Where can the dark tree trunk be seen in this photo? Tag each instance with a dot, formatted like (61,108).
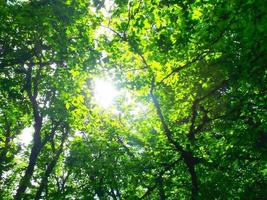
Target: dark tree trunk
(161,188)
(99,190)
(187,156)
(190,163)
(194,189)
(31,87)
(49,169)
(44,180)
(37,146)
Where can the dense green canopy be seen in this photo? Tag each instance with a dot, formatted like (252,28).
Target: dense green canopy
(189,119)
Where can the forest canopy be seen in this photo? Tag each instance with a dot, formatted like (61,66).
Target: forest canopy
(133,99)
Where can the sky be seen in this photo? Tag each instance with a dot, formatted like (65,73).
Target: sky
(104,95)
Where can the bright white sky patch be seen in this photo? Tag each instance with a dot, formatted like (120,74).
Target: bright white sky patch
(104,93)
(26,135)
(139,109)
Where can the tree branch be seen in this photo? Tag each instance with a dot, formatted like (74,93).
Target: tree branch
(164,125)
(166,168)
(178,69)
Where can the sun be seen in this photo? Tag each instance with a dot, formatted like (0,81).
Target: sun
(104,92)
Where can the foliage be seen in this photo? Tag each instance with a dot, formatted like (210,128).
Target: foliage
(190,121)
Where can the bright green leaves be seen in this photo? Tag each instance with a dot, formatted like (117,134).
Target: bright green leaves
(197,13)
(205,62)
(191,50)
(47,53)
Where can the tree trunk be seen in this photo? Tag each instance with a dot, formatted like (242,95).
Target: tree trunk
(37,146)
(194,187)
(161,188)
(49,169)
(44,180)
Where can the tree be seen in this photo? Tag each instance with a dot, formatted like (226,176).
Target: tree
(194,59)
(37,47)
(190,119)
